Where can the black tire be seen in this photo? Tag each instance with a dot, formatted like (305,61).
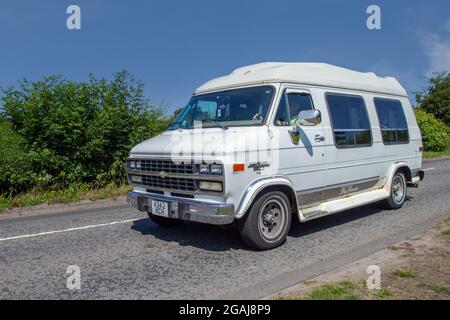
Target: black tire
(270,212)
(164,222)
(395,200)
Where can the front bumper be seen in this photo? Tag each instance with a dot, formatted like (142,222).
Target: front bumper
(185,209)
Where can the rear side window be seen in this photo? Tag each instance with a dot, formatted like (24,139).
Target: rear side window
(351,126)
(290,106)
(392,121)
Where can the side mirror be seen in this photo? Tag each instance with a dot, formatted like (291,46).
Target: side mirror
(309,117)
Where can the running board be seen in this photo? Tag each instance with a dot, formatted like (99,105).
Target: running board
(311,215)
(341,204)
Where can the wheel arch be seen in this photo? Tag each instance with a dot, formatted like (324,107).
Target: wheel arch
(263,185)
(402,166)
(405,169)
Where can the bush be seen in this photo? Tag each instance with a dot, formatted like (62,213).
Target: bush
(77,132)
(15,164)
(435,98)
(435,133)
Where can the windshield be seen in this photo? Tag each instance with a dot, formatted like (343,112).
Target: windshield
(239,107)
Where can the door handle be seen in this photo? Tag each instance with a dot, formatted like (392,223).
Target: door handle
(319,138)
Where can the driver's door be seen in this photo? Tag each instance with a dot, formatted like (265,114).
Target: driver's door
(301,154)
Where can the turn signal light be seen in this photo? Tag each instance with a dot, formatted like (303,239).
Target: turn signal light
(238,167)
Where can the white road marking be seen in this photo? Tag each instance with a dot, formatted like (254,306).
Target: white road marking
(429,169)
(68,230)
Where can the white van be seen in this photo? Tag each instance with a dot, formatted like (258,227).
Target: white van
(273,142)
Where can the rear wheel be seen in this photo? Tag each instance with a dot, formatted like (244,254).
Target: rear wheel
(398,192)
(267,223)
(162,221)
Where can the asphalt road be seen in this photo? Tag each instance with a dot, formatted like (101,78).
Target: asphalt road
(122,255)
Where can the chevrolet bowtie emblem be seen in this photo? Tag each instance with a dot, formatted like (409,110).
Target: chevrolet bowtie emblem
(163,174)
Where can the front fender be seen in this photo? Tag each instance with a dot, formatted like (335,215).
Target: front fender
(254,188)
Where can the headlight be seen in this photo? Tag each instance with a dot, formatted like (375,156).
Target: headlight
(132,164)
(138,165)
(136,179)
(204,168)
(216,169)
(210,186)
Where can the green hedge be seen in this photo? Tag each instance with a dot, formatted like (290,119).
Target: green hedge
(15,164)
(435,133)
(60,133)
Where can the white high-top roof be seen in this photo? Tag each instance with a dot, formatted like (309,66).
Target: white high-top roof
(318,74)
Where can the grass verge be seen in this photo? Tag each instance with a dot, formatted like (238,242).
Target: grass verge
(403,273)
(343,290)
(340,291)
(436,154)
(384,292)
(411,270)
(72,194)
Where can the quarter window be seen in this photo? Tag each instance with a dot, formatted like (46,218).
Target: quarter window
(351,126)
(290,106)
(392,121)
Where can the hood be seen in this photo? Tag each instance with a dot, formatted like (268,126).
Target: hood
(210,143)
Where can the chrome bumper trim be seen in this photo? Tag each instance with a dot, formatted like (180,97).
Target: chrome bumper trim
(185,209)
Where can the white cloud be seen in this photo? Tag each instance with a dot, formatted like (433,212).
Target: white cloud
(437,49)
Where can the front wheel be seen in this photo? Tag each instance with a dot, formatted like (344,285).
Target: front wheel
(267,223)
(398,192)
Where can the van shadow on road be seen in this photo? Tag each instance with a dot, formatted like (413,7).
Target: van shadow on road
(333,220)
(223,238)
(336,219)
(191,234)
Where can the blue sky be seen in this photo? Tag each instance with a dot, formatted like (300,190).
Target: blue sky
(174,46)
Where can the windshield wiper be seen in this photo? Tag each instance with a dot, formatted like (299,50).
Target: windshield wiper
(224,127)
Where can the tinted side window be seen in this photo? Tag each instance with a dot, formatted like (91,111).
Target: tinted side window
(392,121)
(351,124)
(290,106)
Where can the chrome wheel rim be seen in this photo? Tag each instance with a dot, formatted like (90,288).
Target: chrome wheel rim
(398,189)
(272,218)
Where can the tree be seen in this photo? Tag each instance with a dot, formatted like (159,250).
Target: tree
(435,98)
(81,132)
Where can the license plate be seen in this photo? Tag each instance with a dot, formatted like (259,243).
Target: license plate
(160,208)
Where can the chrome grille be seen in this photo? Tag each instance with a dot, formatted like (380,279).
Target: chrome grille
(165,174)
(155,166)
(169,183)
